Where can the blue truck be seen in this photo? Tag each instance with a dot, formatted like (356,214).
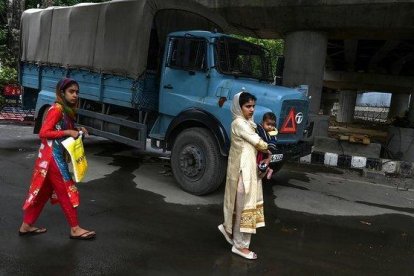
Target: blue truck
(180,100)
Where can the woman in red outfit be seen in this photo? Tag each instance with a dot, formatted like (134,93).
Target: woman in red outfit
(51,177)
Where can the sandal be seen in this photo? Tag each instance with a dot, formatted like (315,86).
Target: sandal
(250,256)
(34,232)
(225,234)
(88,235)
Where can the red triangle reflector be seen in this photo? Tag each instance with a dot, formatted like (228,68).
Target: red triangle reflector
(289,125)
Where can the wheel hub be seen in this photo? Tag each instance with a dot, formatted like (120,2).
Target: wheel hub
(191,161)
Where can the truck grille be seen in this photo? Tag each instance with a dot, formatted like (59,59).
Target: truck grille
(298,106)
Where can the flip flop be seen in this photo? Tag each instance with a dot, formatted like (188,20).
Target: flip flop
(250,256)
(85,236)
(34,232)
(225,234)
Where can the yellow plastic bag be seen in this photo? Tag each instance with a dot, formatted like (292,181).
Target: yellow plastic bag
(77,156)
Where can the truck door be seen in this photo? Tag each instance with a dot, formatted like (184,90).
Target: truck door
(184,83)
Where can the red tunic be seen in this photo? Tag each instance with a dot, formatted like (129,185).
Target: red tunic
(51,134)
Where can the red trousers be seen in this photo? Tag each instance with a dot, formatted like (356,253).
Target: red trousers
(53,182)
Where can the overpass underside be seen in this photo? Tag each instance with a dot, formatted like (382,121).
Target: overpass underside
(335,45)
(339,47)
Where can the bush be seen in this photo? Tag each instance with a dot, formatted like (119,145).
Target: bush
(8,75)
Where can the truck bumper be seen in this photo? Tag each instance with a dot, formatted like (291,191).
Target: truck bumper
(294,151)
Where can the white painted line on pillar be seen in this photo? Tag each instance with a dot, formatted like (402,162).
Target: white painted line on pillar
(306,159)
(331,159)
(358,162)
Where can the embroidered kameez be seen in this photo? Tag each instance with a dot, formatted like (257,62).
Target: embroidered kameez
(242,168)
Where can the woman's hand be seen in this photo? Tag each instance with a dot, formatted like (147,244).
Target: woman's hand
(267,160)
(84,130)
(72,133)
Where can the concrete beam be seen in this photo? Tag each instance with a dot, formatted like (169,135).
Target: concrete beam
(368,81)
(340,19)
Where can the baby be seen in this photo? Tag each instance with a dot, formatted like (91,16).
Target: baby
(267,131)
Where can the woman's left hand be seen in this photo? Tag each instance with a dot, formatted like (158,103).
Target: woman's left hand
(84,130)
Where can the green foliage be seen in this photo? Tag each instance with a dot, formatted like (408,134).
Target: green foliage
(3,36)
(31,4)
(7,75)
(74,2)
(274,46)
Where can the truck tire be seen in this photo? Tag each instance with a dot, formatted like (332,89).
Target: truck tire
(196,162)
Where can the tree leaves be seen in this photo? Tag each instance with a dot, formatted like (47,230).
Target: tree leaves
(275,47)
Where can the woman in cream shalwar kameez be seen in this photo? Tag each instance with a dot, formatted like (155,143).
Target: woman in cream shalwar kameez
(243,198)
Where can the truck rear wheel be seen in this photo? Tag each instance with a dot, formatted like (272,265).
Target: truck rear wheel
(196,161)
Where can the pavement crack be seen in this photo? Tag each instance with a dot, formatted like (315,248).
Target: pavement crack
(335,196)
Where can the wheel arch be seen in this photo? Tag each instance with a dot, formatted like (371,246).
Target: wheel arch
(195,117)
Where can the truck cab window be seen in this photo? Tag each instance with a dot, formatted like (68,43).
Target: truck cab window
(239,58)
(187,54)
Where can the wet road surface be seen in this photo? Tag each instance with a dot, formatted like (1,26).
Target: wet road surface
(319,221)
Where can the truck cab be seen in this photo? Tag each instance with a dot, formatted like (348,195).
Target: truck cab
(201,72)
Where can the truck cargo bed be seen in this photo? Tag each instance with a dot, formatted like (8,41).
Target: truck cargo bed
(123,91)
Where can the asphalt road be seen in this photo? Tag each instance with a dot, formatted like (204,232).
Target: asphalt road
(319,221)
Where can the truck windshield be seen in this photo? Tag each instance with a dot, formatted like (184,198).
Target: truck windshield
(240,58)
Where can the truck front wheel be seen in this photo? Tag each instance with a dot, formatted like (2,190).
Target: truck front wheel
(196,161)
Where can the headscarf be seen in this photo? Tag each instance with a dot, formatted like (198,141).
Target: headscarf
(236,111)
(61,86)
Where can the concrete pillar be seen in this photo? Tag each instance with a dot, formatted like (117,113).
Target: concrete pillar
(399,104)
(305,54)
(347,100)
